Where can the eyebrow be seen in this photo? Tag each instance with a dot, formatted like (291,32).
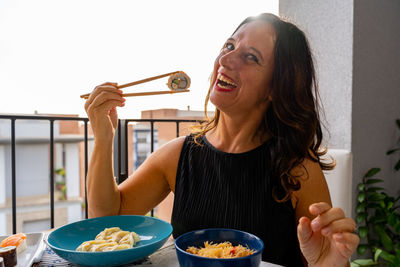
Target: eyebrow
(252,48)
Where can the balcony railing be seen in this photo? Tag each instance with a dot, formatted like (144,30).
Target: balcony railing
(121,153)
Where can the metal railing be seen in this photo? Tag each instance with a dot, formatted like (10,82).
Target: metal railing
(121,153)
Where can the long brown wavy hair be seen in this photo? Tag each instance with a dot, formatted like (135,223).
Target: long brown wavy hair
(292,119)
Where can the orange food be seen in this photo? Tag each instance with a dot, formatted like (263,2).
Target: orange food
(220,250)
(14,240)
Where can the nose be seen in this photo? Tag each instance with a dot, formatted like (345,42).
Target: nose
(229,59)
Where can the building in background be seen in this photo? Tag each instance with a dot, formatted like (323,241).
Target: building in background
(32,168)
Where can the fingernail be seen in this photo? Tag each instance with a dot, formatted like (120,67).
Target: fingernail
(339,237)
(325,231)
(315,224)
(315,209)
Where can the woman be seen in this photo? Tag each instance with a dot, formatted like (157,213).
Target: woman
(255,166)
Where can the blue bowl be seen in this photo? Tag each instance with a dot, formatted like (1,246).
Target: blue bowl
(153,233)
(218,235)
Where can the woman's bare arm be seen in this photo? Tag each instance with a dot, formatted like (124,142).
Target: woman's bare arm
(148,185)
(325,234)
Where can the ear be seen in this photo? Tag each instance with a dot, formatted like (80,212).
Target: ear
(268,97)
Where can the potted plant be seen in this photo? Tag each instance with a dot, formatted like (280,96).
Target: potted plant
(378,219)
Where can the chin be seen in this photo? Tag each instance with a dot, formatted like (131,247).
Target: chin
(219,101)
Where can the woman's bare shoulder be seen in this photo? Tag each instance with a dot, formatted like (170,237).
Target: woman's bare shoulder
(167,156)
(171,147)
(313,187)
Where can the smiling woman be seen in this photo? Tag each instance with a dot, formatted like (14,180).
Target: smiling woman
(255,166)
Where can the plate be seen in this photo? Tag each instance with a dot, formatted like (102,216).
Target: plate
(34,249)
(153,233)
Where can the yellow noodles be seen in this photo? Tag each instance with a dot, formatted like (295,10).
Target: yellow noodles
(110,239)
(220,250)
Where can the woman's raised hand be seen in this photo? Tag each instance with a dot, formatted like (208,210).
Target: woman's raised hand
(329,239)
(101,110)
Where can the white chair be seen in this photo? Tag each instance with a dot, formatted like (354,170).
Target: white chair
(340,180)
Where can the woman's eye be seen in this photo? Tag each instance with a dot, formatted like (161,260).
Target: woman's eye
(252,57)
(229,46)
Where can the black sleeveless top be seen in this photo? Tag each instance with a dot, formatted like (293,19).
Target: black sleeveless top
(215,189)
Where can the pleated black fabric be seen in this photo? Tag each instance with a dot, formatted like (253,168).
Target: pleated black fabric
(215,189)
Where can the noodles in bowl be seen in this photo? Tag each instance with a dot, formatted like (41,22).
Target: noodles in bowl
(219,247)
(223,250)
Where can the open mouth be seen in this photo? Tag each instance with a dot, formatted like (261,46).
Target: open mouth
(225,83)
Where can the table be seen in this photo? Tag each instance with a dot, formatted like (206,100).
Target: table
(164,257)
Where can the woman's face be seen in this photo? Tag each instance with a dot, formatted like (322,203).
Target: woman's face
(243,69)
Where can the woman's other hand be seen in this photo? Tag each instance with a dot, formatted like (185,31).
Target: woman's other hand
(101,110)
(329,239)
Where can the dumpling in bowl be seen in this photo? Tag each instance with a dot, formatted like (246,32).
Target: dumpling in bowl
(110,239)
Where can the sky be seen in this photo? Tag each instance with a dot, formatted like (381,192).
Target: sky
(52,51)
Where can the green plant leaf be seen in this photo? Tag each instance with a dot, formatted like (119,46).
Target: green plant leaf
(362,262)
(392,219)
(371,172)
(362,248)
(390,205)
(374,181)
(361,187)
(397,228)
(391,151)
(363,231)
(374,189)
(376,197)
(361,207)
(387,256)
(378,220)
(361,217)
(397,250)
(377,253)
(385,239)
(373,205)
(397,166)
(361,197)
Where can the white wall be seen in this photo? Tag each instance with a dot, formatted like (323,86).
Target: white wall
(32,169)
(329,27)
(72,170)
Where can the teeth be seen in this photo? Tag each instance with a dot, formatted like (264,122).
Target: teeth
(224,79)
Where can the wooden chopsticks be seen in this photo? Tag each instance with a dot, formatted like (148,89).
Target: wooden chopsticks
(156,93)
(86,96)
